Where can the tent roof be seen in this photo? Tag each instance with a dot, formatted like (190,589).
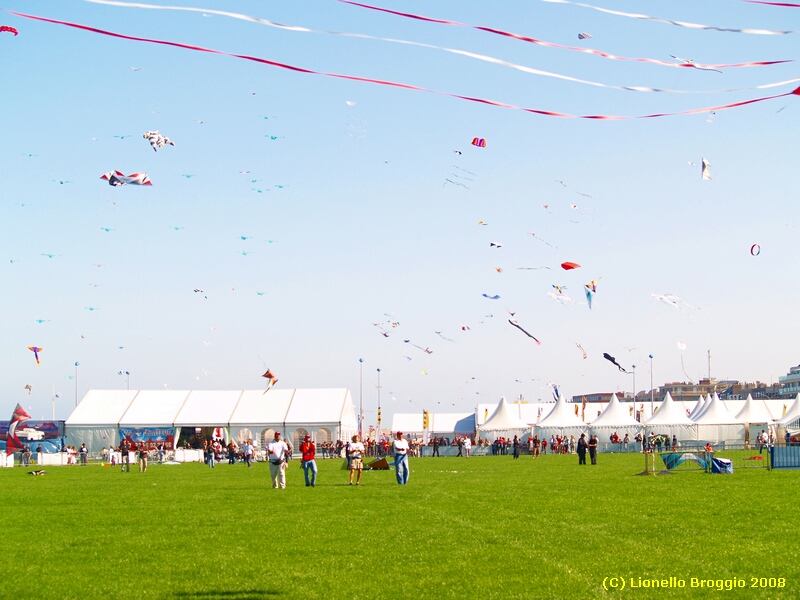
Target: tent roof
(754,412)
(407,422)
(503,419)
(207,407)
(562,415)
(257,407)
(669,413)
(452,423)
(101,407)
(716,414)
(153,408)
(615,415)
(698,408)
(793,413)
(325,405)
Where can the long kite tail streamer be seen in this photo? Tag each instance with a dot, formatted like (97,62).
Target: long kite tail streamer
(517,325)
(466,54)
(18,417)
(783,4)
(394,84)
(668,22)
(530,40)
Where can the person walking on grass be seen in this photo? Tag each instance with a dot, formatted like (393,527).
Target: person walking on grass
(125,450)
(142,459)
(309,451)
(276,452)
(400,449)
(355,450)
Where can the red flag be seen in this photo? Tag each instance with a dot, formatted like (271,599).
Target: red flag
(13,443)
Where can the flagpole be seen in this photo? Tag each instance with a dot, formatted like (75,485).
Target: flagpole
(77,364)
(361,398)
(378,433)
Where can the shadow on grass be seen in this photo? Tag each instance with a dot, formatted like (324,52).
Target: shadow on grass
(229,594)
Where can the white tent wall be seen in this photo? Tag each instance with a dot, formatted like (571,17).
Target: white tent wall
(95,420)
(96,437)
(452,424)
(407,423)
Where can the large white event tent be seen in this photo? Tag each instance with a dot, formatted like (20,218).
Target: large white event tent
(561,420)
(670,419)
(323,413)
(716,424)
(503,423)
(698,408)
(615,418)
(441,424)
(791,420)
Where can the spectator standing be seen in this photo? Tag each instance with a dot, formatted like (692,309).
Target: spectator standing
(593,449)
(400,449)
(84,452)
(355,450)
(309,451)
(467,446)
(277,450)
(142,459)
(125,449)
(582,445)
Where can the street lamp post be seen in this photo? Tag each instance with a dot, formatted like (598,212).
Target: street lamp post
(633,370)
(651,384)
(361,398)
(378,431)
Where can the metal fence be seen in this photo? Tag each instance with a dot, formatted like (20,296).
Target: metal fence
(742,456)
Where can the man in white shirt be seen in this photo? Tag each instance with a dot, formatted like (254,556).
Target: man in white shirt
(355,450)
(400,449)
(276,453)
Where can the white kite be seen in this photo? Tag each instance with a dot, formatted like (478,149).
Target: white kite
(157,140)
(706,171)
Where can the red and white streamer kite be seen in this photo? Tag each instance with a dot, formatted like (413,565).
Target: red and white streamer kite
(394,84)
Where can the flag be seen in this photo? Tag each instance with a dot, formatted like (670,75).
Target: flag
(583,408)
(13,443)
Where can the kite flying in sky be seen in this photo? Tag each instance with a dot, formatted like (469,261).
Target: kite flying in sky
(271,379)
(479,142)
(157,140)
(705,171)
(9,29)
(568,266)
(517,325)
(613,360)
(35,350)
(495,297)
(117,179)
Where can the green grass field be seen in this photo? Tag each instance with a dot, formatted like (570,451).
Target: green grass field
(484,527)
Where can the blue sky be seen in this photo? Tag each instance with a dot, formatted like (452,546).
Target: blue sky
(351,219)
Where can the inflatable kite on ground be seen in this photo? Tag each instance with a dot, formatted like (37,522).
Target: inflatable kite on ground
(37,472)
(13,443)
(613,360)
(117,179)
(9,29)
(157,140)
(568,266)
(35,350)
(479,142)
(705,171)
(515,324)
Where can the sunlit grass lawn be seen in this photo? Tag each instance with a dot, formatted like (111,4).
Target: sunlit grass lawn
(484,527)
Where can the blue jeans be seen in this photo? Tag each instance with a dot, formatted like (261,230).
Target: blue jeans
(210,460)
(401,468)
(310,465)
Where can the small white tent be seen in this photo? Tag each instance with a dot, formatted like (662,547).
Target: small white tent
(615,418)
(756,417)
(561,420)
(503,423)
(670,419)
(716,424)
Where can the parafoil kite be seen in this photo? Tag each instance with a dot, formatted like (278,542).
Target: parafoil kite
(35,350)
(755,250)
(568,266)
(116,179)
(157,140)
(9,29)
(479,142)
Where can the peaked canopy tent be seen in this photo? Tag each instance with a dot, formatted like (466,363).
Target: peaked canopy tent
(670,419)
(503,423)
(791,420)
(561,420)
(755,415)
(716,424)
(95,421)
(615,418)
(698,408)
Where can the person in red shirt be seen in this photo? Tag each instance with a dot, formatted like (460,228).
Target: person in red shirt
(309,451)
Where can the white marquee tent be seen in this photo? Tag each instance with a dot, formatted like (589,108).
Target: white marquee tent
(503,423)
(615,418)
(716,424)
(670,419)
(561,420)
(323,413)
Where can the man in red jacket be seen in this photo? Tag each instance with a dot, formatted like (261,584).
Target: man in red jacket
(309,452)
